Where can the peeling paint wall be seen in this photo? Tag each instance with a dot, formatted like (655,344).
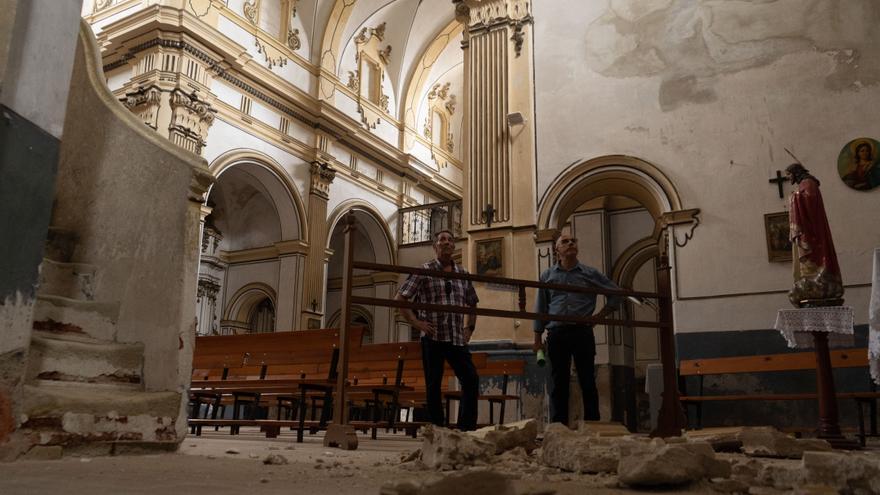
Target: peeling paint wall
(711,92)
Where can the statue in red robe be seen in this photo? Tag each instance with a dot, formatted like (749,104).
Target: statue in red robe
(817,278)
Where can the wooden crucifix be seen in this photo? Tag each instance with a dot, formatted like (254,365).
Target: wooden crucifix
(779,180)
(489,213)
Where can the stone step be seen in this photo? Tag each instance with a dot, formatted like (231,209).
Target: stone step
(72,414)
(70,280)
(82,361)
(60,244)
(63,315)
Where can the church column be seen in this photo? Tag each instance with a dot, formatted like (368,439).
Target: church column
(292,262)
(315,263)
(499,151)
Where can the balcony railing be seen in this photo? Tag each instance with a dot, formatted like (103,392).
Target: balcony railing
(418,224)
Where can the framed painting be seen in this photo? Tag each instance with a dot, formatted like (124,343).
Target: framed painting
(776,228)
(490,257)
(858,164)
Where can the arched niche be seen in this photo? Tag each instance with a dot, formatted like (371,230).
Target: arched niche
(265,175)
(605,176)
(243,304)
(372,242)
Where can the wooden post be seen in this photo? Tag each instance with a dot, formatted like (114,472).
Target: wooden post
(339,433)
(829,428)
(670,420)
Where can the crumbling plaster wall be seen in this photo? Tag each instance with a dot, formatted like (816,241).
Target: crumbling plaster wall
(711,92)
(34,82)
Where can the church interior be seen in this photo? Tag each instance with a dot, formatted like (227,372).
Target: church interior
(193,187)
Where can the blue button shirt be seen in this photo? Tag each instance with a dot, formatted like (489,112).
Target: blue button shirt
(559,302)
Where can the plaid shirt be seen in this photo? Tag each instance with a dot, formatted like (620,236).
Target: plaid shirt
(434,290)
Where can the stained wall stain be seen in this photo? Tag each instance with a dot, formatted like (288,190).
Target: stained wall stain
(691,44)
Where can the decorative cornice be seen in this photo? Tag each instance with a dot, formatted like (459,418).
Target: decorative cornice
(217,68)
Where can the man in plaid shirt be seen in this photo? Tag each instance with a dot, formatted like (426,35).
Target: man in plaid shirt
(444,337)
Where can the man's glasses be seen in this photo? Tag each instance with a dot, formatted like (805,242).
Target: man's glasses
(570,240)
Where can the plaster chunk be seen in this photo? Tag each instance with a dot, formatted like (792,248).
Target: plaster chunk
(580,451)
(446,449)
(849,473)
(769,442)
(661,464)
(505,437)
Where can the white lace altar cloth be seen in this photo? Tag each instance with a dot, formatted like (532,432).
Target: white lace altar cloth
(874,321)
(796,325)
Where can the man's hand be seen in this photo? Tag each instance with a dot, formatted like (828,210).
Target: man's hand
(425,327)
(468,333)
(604,312)
(538,345)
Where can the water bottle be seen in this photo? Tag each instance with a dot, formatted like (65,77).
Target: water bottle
(541,358)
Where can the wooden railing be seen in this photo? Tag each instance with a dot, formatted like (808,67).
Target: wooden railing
(671,419)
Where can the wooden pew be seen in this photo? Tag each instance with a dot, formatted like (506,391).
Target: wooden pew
(796,361)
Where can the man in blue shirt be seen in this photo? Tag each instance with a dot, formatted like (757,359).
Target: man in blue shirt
(567,341)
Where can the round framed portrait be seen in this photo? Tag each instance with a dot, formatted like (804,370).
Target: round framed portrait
(859,164)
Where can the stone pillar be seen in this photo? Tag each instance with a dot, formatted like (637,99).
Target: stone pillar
(315,264)
(499,150)
(211,274)
(292,257)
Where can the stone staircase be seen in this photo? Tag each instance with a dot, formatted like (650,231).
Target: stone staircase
(84,391)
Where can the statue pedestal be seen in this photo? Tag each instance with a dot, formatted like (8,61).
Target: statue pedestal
(812,325)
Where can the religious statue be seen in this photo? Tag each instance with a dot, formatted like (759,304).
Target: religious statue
(817,280)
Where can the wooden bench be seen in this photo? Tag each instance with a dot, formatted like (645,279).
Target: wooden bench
(503,368)
(293,367)
(796,361)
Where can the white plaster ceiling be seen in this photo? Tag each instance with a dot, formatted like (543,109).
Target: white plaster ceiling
(410,26)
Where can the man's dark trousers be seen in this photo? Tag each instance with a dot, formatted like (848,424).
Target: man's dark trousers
(459,358)
(563,345)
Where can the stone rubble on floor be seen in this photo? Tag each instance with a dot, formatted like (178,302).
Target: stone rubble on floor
(608,457)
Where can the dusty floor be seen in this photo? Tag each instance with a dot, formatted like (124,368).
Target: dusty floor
(219,464)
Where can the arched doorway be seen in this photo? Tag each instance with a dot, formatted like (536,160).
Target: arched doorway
(372,243)
(252,236)
(618,207)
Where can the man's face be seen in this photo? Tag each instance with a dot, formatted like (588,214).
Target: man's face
(566,245)
(789,176)
(444,245)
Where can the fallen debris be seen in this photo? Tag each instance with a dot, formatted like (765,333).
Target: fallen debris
(766,441)
(275,459)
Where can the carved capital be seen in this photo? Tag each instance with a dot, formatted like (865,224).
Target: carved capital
(191,117)
(145,102)
(322,176)
(480,14)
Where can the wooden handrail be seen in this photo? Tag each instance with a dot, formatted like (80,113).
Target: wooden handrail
(363,265)
(501,313)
